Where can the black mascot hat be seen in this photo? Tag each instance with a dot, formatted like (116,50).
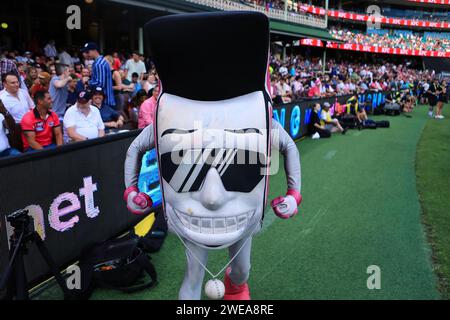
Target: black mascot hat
(210,56)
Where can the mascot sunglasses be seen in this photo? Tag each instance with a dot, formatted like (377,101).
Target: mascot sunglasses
(185,170)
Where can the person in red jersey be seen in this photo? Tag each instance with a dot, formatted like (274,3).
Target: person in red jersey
(41,128)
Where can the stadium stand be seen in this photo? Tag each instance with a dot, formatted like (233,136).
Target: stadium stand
(296,72)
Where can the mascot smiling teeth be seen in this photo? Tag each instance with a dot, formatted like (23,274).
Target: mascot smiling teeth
(213,132)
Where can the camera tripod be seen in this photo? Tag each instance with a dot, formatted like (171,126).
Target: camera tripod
(14,278)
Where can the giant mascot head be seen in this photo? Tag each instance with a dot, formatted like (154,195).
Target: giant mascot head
(212,124)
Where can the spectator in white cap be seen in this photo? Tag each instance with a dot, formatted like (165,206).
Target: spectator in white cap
(328,122)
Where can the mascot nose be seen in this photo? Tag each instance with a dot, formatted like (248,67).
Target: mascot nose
(213,193)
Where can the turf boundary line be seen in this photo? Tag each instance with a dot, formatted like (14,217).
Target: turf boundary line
(427,204)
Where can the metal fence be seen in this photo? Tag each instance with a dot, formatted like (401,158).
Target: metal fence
(228,5)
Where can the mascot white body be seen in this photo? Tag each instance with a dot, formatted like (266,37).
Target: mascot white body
(213,144)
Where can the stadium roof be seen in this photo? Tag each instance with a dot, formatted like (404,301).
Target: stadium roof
(300,31)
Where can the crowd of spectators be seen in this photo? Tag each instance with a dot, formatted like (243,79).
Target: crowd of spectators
(50,98)
(391,40)
(295,7)
(297,77)
(352,114)
(414,14)
(269,4)
(419,41)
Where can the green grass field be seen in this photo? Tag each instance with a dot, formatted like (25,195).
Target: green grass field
(361,208)
(433,181)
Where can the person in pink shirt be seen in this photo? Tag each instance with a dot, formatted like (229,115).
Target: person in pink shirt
(147,109)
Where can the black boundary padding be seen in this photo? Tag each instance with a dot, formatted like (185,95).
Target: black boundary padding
(210,56)
(24,157)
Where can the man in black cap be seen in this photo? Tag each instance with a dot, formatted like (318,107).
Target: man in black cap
(101,73)
(111,118)
(83,121)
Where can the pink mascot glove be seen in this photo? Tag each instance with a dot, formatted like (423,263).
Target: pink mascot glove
(137,202)
(286,207)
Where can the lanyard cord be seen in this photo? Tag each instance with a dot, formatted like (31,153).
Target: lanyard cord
(204,267)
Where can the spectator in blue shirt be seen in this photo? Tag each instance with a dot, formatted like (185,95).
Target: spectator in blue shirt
(101,73)
(135,81)
(59,89)
(72,89)
(111,118)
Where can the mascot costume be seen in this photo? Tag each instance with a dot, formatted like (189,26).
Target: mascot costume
(213,132)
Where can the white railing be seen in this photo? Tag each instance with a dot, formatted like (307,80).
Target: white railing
(228,5)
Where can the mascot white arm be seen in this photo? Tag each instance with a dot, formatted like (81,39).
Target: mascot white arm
(137,202)
(286,206)
(213,142)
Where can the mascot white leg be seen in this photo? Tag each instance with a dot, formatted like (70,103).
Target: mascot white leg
(236,287)
(196,258)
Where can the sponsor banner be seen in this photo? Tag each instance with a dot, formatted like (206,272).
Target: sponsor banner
(295,116)
(74,194)
(447,2)
(373,49)
(384,20)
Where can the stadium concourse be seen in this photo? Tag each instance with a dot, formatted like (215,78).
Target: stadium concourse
(361,208)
